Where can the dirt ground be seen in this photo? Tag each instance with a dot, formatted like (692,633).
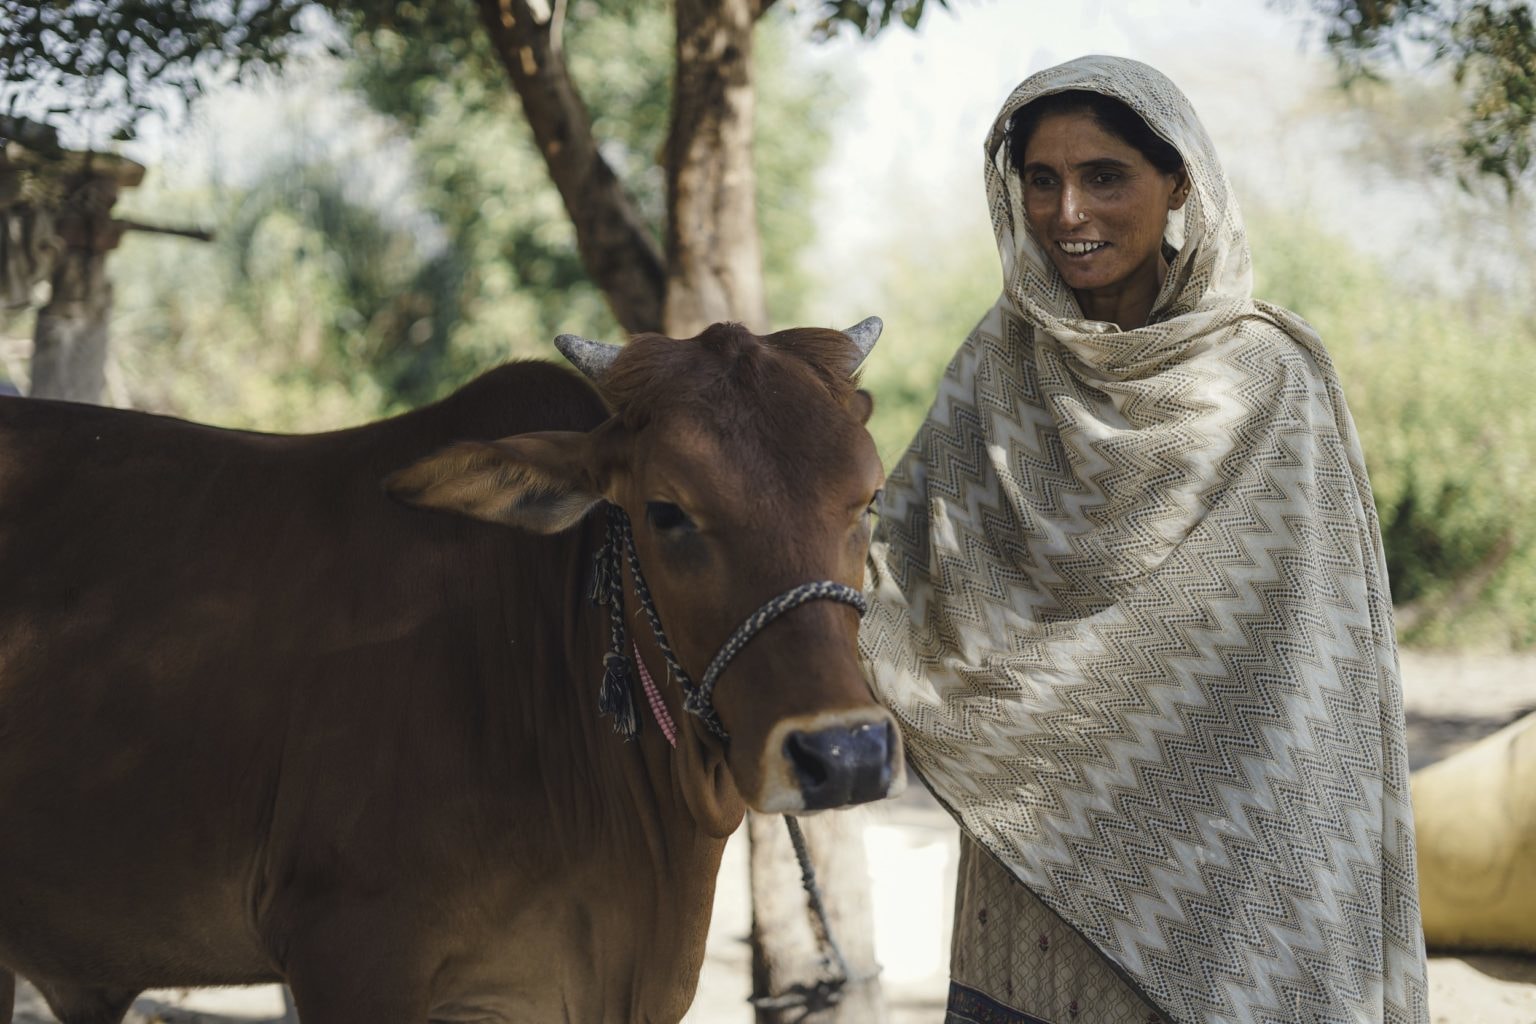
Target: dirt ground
(1452,700)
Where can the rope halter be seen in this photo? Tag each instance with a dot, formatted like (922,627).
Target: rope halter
(616,697)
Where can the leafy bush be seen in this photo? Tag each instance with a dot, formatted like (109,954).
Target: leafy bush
(1439,387)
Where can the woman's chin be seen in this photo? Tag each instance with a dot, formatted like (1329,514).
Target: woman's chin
(1083,276)
(1086,281)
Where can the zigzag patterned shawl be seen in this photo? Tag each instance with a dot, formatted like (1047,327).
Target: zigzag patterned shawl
(1131,610)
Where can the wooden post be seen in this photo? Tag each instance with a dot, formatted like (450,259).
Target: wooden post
(69,355)
(69,358)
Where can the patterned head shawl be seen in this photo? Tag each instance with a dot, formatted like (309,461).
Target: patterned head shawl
(1131,610)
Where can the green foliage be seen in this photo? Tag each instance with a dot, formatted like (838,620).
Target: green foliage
(1490,47)
(515,277)
(284,323)
(931,297)
(485,183)
(870,17)
(127,58)
(115,55)
(794,139)
(1438,388)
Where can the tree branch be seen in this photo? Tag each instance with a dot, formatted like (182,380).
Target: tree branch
(197,234)
(616,247)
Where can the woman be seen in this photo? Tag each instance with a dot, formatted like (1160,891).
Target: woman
(1131,608)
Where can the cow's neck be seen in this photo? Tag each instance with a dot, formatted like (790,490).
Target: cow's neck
(623,817)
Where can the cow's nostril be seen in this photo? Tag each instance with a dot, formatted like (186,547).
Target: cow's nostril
(810,765)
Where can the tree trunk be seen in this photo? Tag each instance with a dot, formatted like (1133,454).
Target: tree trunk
(714,255)
(786,951)
(69,356)
(616,247)
(715,272)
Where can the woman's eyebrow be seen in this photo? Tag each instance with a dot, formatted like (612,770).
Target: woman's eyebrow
(1098,161)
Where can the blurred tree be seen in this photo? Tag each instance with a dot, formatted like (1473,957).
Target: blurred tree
(1489,47)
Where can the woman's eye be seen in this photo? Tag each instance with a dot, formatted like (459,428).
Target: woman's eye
(1106,178)
(1042,181)
(666,517)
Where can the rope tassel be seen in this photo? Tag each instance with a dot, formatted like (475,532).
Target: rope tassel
(616,696)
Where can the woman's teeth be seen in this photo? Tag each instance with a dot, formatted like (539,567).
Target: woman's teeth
(1079,248)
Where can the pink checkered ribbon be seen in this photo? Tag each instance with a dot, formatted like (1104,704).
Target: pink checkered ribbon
(653,697)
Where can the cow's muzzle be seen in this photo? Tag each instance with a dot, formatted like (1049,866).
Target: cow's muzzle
(838,766)
(830,760)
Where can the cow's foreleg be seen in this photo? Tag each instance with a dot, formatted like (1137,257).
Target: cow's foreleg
(339,1000)
(84,1005)
(351,980)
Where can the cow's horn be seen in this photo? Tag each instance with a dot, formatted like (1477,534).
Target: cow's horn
(864,334)
(592,358)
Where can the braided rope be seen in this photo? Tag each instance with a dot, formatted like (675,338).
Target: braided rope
(643,592)
(617,697)
(698,698)
(653,698)
(823,993)
(825,590)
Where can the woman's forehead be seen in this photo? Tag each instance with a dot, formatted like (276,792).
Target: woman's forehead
(1077,136)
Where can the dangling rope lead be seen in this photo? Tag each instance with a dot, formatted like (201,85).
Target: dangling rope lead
(813,898)
(829,991)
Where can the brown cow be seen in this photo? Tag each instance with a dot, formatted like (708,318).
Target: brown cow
(260,722)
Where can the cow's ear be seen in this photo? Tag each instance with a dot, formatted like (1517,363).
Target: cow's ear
(541,482)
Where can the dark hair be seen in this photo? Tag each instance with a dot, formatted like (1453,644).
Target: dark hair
(1112,115)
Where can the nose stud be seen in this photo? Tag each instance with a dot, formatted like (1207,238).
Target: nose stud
(1081,215)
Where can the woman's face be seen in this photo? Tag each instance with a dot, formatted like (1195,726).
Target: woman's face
(1098,206)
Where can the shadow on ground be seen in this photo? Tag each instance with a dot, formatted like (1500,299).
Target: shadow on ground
(31,1009)
(1434,737)
(1518,969)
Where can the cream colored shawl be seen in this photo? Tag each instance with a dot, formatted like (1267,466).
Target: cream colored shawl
(1132,613)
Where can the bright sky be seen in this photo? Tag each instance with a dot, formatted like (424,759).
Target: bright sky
(927,99)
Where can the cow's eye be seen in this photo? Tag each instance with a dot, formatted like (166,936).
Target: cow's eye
(667,517)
